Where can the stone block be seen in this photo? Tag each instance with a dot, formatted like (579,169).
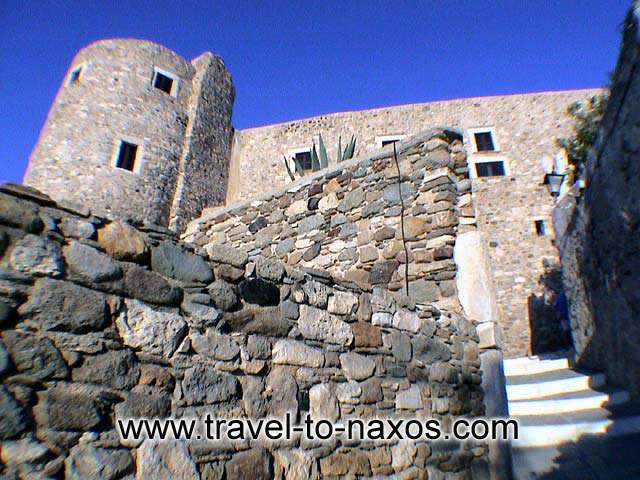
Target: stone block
(202,384)
(323,403)
(489,334)
(34,356)
(317,324)
(150,287)
(224,254)
(63,306)
(12,417)
(366,335)
(165,460)
(356,366)
(282,392)
(116,369)
(170,260)
(123,242)
(89,264)
(87,461)
(410,399)
(293,352)
(255,464)
(223,294)
(342,303)
(154,330)
(34,255)
(68,407)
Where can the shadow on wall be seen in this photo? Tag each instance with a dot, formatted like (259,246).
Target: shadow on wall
(592,457)
(548,314)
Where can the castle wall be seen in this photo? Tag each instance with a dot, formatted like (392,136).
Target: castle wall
(599,237)
(100,320)
(204,171)
(182,136)
(347,220)
(526,128)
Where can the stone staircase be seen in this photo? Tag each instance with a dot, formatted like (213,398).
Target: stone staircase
(568,418)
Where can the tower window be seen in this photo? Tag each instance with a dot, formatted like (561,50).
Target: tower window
(127,154)
(490,169)
(484,142)
(304,159)
(74,76)
(541,228)
(165,81)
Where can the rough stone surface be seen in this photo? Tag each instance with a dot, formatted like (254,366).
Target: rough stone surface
(56,305)
(255,463)
(118,369)
(323,403)
(154,330)
(224,254)
(12,417)
(165,461)
(224,295)
(203,384)
(292,352)
(123,242)
(37,256)
(356,366)
(150,287)
(86,461)
(34,356)
(90,264)
(220,347)
(170,261)
(318,324)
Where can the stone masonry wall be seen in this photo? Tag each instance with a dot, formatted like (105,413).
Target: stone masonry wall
(204,173)
(600,236)
(102,319)
(526,128)
(347,220)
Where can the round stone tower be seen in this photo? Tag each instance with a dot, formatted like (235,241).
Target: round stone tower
(137,131)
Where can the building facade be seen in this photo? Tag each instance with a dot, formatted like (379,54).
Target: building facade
(137,131)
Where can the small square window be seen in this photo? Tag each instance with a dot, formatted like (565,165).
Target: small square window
(541,228)
(490,169)
(163,82)
(484,142)
(127,154)
(74,77)
(304,160)
(388,142)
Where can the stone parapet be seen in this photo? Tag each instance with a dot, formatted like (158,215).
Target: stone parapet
(359,220)
(104,319)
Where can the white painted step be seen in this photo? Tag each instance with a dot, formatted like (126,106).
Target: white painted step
(545,431)
(533,365)
(567,402)
(530,387)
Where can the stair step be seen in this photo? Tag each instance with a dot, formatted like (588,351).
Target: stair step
(549,430)
(530,387)
(566,402)
(536,364)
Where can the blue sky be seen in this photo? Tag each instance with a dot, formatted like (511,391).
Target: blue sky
(294,59)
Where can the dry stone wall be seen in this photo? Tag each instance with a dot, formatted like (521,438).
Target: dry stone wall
(103,319)
(525,129)
(349,220)
(599,236)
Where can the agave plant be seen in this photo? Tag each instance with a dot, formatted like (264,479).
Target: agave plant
(320,158)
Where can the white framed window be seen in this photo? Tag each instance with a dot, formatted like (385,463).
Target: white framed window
(128,154)
(303,155)
(384,140)
(165,81)
(483,139)
(488,166)
(75,75)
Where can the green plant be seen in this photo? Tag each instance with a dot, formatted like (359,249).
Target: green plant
(320,158)
(587,116)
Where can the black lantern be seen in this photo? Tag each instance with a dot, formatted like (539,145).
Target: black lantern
(553,181)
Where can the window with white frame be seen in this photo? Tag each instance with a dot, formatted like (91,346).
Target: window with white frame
(300,158)
(384,140)
(165,81)
(488,167)
(483,139)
